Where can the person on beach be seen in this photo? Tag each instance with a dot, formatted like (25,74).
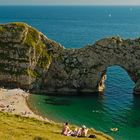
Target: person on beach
(82,132)
(75,132)
(66,130)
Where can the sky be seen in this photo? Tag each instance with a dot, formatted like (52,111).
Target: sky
(69,2)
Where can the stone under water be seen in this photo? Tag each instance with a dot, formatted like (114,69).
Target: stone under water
(31,61)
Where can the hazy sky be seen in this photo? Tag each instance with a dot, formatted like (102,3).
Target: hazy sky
(69,2)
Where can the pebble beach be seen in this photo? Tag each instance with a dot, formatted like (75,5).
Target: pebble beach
(15,101)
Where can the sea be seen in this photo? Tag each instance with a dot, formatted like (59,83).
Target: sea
(75,27)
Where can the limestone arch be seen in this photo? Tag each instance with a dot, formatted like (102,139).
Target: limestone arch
(104,76)
(64,70)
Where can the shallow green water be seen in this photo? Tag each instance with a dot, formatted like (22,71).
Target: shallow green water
(116,108)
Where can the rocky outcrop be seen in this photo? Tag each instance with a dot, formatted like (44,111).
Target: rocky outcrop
(25,55)
(30,60)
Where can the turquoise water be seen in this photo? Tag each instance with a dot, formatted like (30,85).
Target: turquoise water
(117,107)
(74,27)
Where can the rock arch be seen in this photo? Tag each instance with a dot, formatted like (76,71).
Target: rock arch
(30,60)
(84,69)
(117,77)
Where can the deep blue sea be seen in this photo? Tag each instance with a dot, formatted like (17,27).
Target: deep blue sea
(75,27)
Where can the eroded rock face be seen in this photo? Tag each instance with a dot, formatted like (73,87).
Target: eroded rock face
(25,56)
(30,60)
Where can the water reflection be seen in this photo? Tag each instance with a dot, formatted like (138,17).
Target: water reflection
(57,101)
(134,113)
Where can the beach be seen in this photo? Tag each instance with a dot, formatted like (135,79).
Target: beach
(15,101)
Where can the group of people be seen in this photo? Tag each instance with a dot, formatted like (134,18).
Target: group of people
(78,132)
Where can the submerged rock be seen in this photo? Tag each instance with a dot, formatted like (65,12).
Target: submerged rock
(29,60)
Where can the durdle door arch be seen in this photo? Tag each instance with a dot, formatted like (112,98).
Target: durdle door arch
(29,60)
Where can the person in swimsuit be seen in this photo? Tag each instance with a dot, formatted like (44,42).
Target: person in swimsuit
(83,131)
(66,130)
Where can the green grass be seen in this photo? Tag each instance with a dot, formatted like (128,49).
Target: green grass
(15,127)
(32,37)
(37,45)
(14,31)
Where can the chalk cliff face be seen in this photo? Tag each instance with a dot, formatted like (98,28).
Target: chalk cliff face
(30,60)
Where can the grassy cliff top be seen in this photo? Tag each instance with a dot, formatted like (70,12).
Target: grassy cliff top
(15,127)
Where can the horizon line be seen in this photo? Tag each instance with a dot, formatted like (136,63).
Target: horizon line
(67,5)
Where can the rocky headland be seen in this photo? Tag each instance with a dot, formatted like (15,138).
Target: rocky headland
(31,61)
